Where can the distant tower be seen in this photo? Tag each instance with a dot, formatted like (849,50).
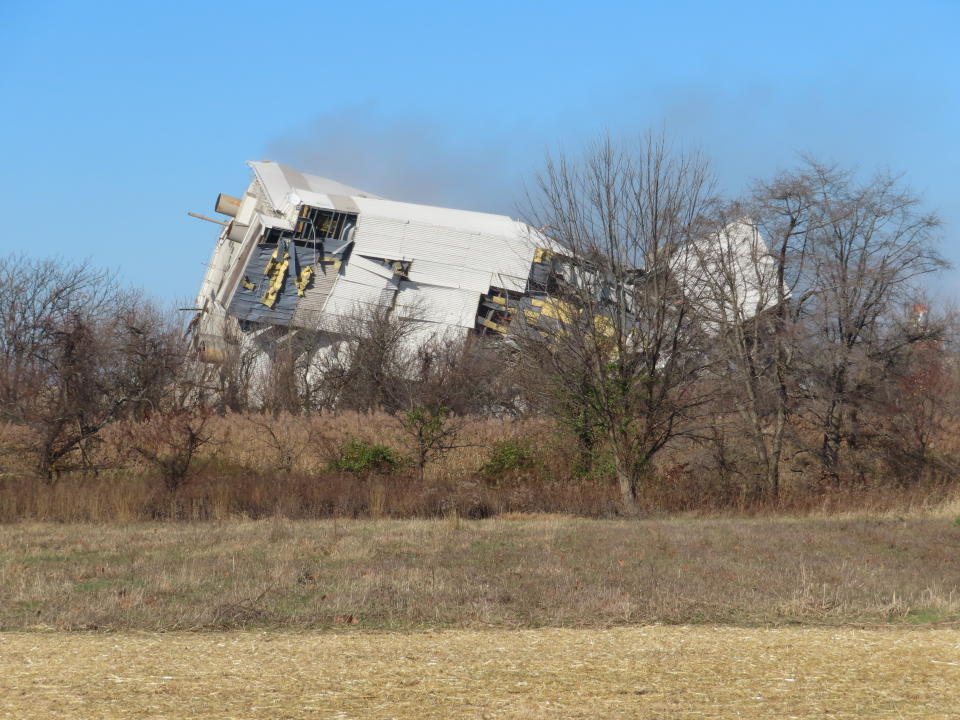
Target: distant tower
(918,316)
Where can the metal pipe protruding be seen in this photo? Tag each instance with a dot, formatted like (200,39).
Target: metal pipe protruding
(227,205)
(204,217)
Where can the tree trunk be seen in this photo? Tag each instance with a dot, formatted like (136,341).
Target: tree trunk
(780,424)
(627,476)
(776,451)
(628,490)
(830,446)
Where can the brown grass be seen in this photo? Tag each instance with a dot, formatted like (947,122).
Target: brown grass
(259,466)
(508,573)
(650,672)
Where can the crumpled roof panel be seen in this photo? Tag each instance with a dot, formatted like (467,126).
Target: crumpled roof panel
(279,181)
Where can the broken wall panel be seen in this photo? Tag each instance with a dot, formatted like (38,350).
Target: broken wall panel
(450,306)
(363,286)
(435,273)
(364,270)
(346,295)
(480,252)
(513,283)
(248,300)
(380,237)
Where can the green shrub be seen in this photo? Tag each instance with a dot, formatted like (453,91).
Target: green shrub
(509,457)
(361,456)
(433,432)
(601,468)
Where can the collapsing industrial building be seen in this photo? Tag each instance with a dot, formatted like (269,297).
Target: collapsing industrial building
(302,254)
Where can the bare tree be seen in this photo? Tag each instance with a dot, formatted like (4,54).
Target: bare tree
(805,323)
(871,242)
(914,403)
(77,352)
(369,365)
(623,346)
(170,442)
(752,283)
(222,369)
(737,299)
(287,383)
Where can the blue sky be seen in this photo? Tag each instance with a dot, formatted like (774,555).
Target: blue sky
(116,119)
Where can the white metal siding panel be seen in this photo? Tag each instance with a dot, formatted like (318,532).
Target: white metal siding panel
(466,220)
(268,221)
(274,184)
(216,269)
(346,294)
(360,269)
(478,256)
(435,273)
(362,284)
(379,237)
(313,199)
(248,205)
(421,333)
(437,304)
(278,180)
(349,296)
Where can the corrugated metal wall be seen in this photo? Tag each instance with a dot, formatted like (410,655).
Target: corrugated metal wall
(445,255)
(361,286)
(307,314)
(420,301)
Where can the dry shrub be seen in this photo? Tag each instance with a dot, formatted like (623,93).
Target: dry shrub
(215,497)
(258,465)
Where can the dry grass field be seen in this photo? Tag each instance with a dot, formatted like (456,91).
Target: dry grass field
(849,616)
(642,672)
(525,572)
